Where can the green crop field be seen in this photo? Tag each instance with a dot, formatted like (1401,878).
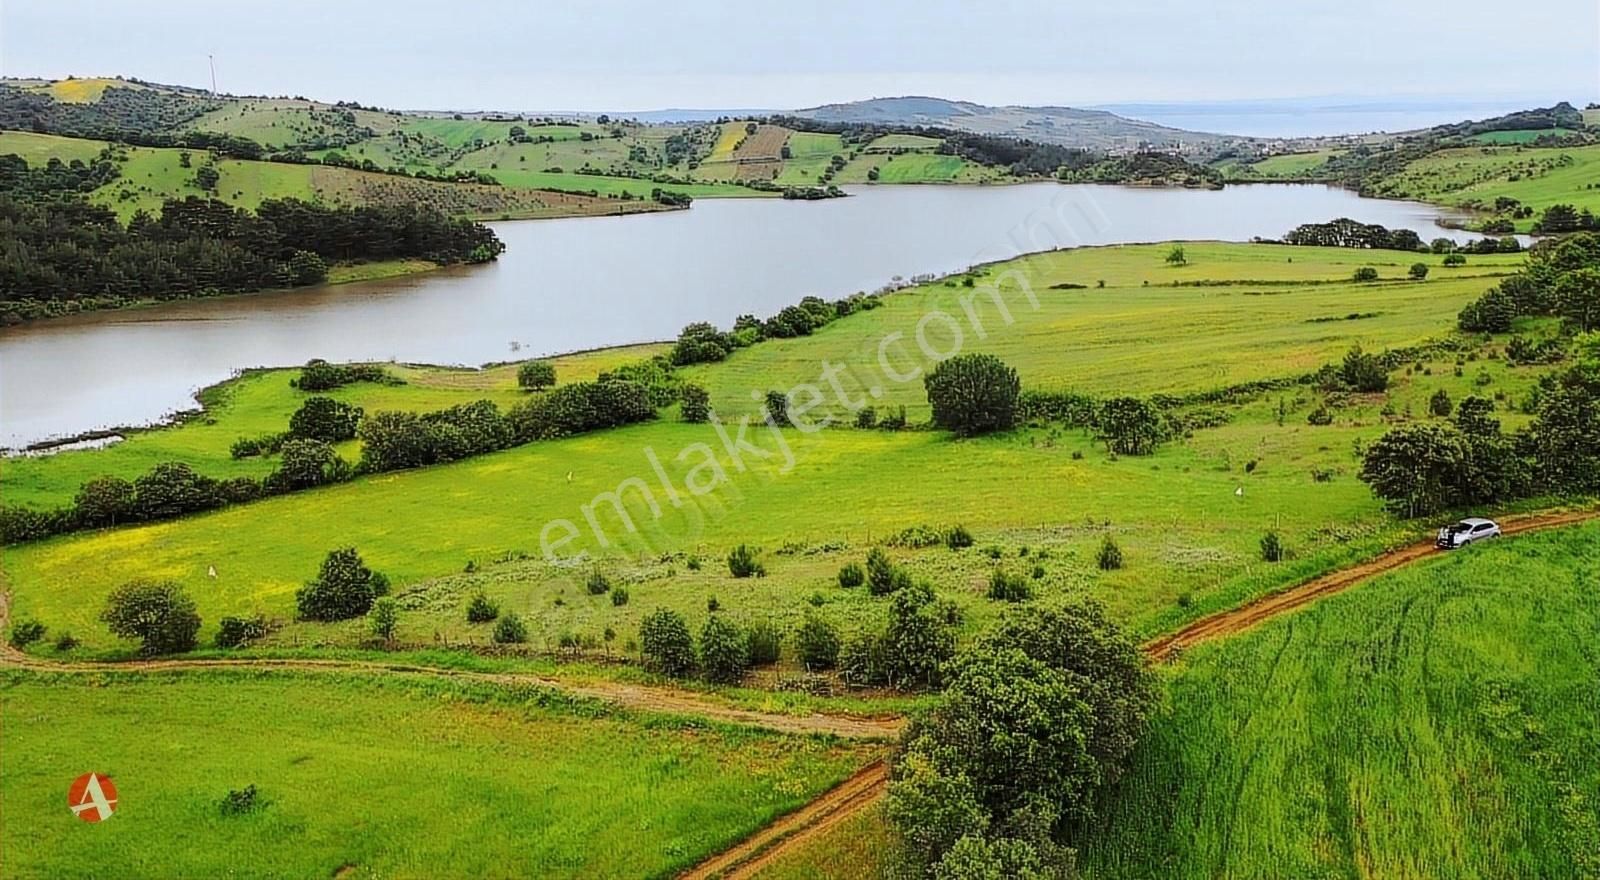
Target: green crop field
(1519,136)
(379,778)
(37,149)
(1475,176)
(902,142)
(1189,534)
(914,168)
(1435,724)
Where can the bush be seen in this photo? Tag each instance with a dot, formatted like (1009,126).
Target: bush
(1439,404)
(1365,273)
(383,618)
(481,609)
(344,588)
(536,375)
(1320,416)
(159,613)
(236,632)
(65,642)
(619,596)
(973,394)
(510,630)
(863,661)
(1419,271)
(1493,312)
(883,576)
(238,802)
(817,644)
(1271,548)
(665,643)
(597,584)
(1364,372)
(724,655)
(919,639)
(852,575)
(696,406)
(1454,260)
(104,501)
(25,633)
(173,489)
(866,417)
(1110,556)
(307,463)
(1129,426)
(958,538)
(1009,587)
(763,643)
(778,409)
(742,563)
(325,419)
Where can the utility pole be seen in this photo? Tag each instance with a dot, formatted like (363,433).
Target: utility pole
(213,60)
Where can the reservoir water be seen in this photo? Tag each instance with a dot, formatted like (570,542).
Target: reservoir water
(566,285)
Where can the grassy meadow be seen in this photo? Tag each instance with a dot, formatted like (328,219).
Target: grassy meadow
(373,777)
(1475,176)
(1189,518)
(1437,723)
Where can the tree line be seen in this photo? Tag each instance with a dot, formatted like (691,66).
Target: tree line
(64,254)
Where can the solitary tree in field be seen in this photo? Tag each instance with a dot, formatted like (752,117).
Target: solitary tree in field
(1177,257)
(1419,271)
(344,588)
(973,394)
(536,375)
(1129,426)
(160,614)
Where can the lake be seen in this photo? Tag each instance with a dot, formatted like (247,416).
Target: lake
(566,285)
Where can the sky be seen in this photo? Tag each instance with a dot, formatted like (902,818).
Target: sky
(745,54)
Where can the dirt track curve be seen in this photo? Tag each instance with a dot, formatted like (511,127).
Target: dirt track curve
(865,788)
(867,785)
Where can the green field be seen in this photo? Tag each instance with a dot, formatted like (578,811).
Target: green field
(809,155)
(1519,136)
(372,777)
(1475,176)
(37,149)
(1190,537)
(1434,724)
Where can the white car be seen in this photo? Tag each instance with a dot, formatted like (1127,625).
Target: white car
(1467,531)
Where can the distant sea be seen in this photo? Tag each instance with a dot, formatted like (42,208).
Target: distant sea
(1328,116)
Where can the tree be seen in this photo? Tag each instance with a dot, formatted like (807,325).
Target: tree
(383,618)
(1490,313)
(1419,271)
(158,613)
(481,609)
(1577,298)
(536,375)
(743,563)
(344,588)
(1365,274)
(306,463)
(696,406)
(919,639)
(724,654)
(206,177)
(172,489)
(1109,557)
(817,643)
(1271,547)
(665,643)
(325,419)
(1177,257)
(105,501)
(973,394)
(510,630)
(1453,260)
(1439,404)
(1129,426)
(883,576)
(1416,469)
(1565,437)
(1364,372)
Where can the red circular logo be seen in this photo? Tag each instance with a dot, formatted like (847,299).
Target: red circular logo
(92,797)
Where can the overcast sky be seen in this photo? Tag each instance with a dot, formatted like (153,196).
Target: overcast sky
(617,55)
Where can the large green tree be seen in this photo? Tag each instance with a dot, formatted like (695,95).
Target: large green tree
(973,394)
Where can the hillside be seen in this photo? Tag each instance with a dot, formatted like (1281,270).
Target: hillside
(1067,126)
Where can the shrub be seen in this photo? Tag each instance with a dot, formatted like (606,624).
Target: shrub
(893,420)
(1364,372)
(1439,404)
(919,639)
(973,394)
(325,419)
(723,652)
(159,613)
(1129,426)
(238,802)
(1419,271)
(26,632)
(958,538)
(863,661)
(701,343)
(1365,273)
(852,575)
(236,632)
(1320,416)
(778,409)
(65,642)
(172,489)
(307,463)
(817,643)
(665,643)
(104,501)
(1493,312)
(742,563)
(383,618)
(536,375)
(510,630)
(619,596)
(763,643)
(1271,547)
(344,588)
(481,609)
(1110,556)
(1009,587)
(597,584)
(866,417)
(1453,260)
(696,404)
(883,576)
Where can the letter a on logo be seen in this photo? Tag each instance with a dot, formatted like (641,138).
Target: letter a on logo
(92,797)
